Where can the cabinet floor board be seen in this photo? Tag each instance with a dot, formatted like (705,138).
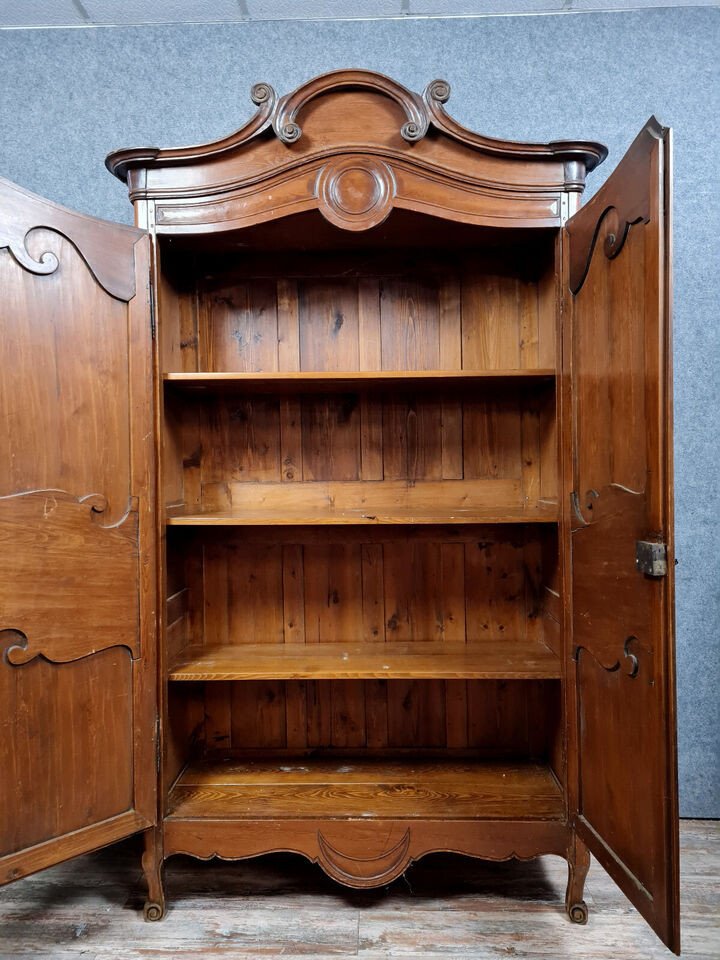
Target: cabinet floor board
(371,789)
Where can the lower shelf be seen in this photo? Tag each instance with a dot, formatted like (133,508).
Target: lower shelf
(365,789)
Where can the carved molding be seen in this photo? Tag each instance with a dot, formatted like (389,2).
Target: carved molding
(422,112)
(363,872)
(346,861)
(106,248)
(355,192)
(342,185)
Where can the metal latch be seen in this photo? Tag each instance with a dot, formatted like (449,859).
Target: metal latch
(651,558)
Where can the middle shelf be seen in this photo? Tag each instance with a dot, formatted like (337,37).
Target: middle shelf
(485,660)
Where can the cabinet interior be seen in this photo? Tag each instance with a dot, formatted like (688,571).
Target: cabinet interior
(359,474)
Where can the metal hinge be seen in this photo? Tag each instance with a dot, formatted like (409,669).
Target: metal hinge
(157,745)
(151,297)
(651,558)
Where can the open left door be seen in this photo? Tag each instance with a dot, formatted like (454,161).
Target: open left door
(617,354)
(77,565)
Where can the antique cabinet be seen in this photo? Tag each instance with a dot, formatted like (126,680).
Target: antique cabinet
(337,502)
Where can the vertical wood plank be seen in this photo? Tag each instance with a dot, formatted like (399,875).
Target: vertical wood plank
(348,713)
(369,333)
(528,323)
(451,359)
(328,316)
(242,327)
(218,715)
(291,458)
(258,714)
(491,335)
(373,596)
(331,445)
(293,593)
(296,714)
(288,325)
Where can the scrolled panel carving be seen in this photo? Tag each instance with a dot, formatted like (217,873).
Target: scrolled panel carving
(364,872)
(627,661)
(612,228)
(14,238)
(355,192)
(624,201)
(106,248)
(58,574)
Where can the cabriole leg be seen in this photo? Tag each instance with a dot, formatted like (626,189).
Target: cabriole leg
(153,865)
(578,865)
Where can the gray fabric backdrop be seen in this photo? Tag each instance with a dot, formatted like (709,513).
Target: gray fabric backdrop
(69,96)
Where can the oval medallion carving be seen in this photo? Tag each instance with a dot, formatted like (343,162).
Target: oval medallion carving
(355,193)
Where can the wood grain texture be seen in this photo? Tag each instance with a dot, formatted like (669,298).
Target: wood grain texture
(509,659)
(388,162)
(382,790)
(77,590)
(283,906)
(622,640)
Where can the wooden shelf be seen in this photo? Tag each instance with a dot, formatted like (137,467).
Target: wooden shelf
(301,518)
(371,789)
(318,502)
(321,381)
(483,660)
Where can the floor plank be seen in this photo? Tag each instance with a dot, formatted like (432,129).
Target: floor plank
(445,907)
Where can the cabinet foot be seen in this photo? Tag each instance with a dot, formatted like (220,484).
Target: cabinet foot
(153,865)
(578,858)
(153,911)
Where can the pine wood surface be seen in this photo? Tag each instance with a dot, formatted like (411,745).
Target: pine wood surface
(281,906)
(341,661)
(378,789)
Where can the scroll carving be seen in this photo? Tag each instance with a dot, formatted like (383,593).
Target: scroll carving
(630,663)
(289,131)
(613,227)
(14,239)
(364,871)
(106,248)
(421,113)
(624,201)
(62,604)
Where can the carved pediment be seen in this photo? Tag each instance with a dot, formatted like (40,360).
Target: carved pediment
(294,145)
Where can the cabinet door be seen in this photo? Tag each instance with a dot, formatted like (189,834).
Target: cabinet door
(617,355)
(77,563)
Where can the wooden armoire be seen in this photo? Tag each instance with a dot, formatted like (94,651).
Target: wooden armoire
(336,502)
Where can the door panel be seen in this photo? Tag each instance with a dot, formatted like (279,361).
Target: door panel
(77,564)
(617,352)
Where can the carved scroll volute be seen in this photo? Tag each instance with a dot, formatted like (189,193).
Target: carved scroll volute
(365,872)
(285,122)
(355,192)
(106,248)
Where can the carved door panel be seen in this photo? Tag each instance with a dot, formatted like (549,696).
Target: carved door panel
(617,352)
(77,590)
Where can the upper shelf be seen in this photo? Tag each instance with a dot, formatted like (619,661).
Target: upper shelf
(359,380)
(354,145)
(509,659)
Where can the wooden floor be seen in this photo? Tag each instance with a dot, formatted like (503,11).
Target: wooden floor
(446,907)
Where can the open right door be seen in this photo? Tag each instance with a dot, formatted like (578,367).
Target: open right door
(618,361)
